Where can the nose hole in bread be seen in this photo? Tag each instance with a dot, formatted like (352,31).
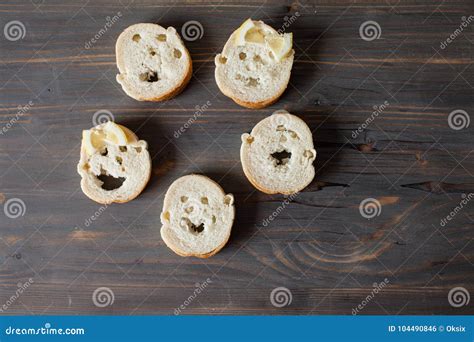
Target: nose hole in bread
(293,134)
(149,76)
(281,157)
(204,200)
(177,53)
(258,59)
(222,60)
(136,38)
(123,148)
(161,37)
(119,160)
(152,52)
(184,199)
(189,210)
(242,56)
(252,82)
(109,182)
(214,219)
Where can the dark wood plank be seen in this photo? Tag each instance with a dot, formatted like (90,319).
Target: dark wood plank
(319,246)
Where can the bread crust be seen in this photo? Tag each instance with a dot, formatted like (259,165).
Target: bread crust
(182,253)
(170,94)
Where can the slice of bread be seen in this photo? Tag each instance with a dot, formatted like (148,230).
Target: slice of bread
(277,156)
(249,73)
(130,163)
(197,216)
(153,62)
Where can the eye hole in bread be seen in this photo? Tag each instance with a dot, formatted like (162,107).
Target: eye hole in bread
(242,56)
(161,37)
(136,38)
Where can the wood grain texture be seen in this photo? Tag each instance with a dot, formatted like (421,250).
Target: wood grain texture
(319,246)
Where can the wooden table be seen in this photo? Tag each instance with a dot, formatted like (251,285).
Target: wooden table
(407,159)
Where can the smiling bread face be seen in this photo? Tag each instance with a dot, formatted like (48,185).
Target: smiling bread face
(278,155)
(197,216)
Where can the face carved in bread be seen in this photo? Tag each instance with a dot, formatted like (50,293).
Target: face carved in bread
(255,64)
(197,216)
(153,62)
(114,166)
(277,156)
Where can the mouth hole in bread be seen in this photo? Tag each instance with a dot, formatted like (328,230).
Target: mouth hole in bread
(136,38)
(149,76)
(242,56)
(196,229)
(281,157)
(161,37)
(177,53)
(109,182)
